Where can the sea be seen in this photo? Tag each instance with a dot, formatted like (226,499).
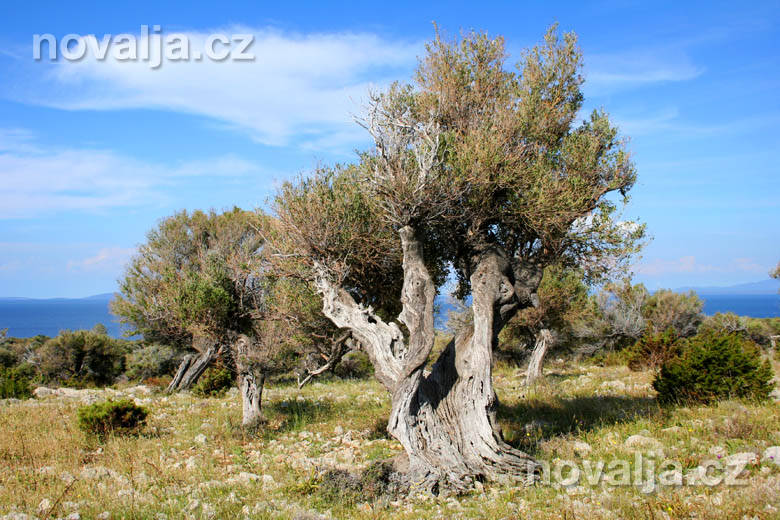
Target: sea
(30,317)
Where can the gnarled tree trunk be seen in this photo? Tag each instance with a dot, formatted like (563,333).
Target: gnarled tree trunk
(544,340)
(191,368)
(251,379)
(445,419)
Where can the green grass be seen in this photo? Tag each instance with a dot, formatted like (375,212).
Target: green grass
(44,458)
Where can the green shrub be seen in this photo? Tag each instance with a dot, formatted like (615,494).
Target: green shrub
(215,381)
(355,365)
(150,361)
(653,350)
(8,358)
(714,366)
(15,382)
(118,417)
(82,358)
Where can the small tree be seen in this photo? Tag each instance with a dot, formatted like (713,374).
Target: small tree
(562,298)
(613,318)
(199,282)
(666,309)
(475,167)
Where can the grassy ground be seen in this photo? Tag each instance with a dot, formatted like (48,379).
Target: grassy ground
(193,461)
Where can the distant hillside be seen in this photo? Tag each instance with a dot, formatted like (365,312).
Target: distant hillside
(768,287)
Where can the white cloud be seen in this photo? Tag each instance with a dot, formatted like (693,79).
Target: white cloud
(107,259)
(632,68)
(36,181)
(689,264)
(299,87)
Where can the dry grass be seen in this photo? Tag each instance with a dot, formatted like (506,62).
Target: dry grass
(168,471)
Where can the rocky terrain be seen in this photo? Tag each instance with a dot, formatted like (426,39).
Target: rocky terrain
(194,461)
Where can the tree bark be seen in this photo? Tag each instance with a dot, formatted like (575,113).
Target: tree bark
(251,380)
(251,384)
(191,368)
(544,340)
(445,419)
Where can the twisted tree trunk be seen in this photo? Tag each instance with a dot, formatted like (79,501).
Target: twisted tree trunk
(251,379)
(544,340)
(445,419)
(191,368)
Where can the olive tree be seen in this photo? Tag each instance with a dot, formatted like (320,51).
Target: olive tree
(562,302)
(198,283)
(475,168)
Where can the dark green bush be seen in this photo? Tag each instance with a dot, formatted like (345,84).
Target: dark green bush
(714,366)
(16,382)
(215,381)
(118,417)
(82,358)
(148,361)
(653,350)
(355,365)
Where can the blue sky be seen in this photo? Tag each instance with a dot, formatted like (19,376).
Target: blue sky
(93,154)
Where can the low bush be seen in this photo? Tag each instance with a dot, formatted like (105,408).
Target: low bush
(112,417)
(712,367)
(215,381)
(355,365)
(15,383)
(82,358)
(653,350)
(149,361)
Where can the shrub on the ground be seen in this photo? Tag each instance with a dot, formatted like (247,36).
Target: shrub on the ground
(15,382)
(666,309)
(81,358)
(714,366)
(215,381)
(119,417)
(653,350)
(8,357)
(355,365)
(151,361)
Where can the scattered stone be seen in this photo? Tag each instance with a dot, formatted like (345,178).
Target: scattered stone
(641,441)
(772,454)
(105,515)
(739,459)
(616,385)
(268,481)
(42,392)
(718,451)
(73,516)
(44,506)
(673,429)
(582,448)
(200,438)
(339,430)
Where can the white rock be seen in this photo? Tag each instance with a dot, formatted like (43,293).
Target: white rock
(105,515)
(268,481)
(73,516)
(200,438)
(582,448)
(740,459)
(44,506)
(339,430)
(772,454)
(42,391)
(190,464)
(718,451)
(248,477)
(618,385)
(641,441)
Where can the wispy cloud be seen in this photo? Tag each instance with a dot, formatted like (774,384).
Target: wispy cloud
(37,181)
(632,68)
(689,264)
(300,87)
(106,259)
